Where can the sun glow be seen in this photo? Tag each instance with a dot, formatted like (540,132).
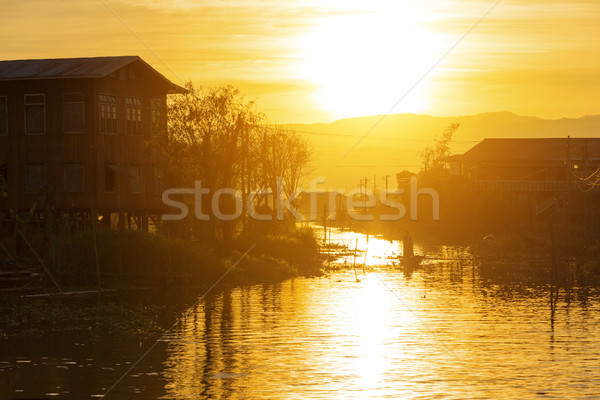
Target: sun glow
(364,62)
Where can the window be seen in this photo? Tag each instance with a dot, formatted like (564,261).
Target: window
(158,117)
(3,174)
(74,178)
(110,178)
(3,116)
(35,120)
(136,179)
(108,113)
(134,116)
(36,177)
(158,180)
(73,112)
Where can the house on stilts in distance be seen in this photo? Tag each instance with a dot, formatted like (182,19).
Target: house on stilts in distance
(542,177)
(82,136)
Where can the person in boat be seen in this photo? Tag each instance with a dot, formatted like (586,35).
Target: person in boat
(408,250)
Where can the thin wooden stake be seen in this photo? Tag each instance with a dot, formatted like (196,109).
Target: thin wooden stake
(354,261)
(40,261)
(366,251)
(95,239)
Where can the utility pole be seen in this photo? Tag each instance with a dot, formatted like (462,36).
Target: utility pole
(325,224)
(360,188)
(568,177)
(364,198)
(385,178)
(589,210)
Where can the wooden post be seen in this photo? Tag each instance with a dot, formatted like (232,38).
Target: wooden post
(354,261)
(324,223)
(40,261)
(93,219)
(145,221)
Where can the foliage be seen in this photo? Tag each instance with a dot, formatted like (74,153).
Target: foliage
(218,137)
(141,257)
(133,258)
(433,157)
(297,253)
(403,178)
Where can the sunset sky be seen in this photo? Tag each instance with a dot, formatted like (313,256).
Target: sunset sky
(317,61)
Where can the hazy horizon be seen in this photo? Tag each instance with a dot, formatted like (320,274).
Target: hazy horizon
(446,116)
(395,143)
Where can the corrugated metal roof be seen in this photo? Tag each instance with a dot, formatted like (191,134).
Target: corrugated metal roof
(63,67)
(60,68)
(544,149)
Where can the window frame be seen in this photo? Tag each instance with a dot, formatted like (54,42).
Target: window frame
(139,179)
(65,167)
(133,110)
(114,111)
(108,167)
(29,189)
(82,102)
(158,180)
(157,116)
(25,104)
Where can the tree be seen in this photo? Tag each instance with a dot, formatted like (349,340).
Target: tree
(220,138)
(284,155)
(433,157)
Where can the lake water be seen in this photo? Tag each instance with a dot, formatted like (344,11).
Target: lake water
(439,332)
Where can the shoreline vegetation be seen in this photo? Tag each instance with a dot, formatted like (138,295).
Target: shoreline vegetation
(138,269)
(144,267)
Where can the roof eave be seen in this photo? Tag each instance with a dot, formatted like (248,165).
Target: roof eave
(42,78)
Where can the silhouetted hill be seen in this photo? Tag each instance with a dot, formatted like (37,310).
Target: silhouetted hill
(394,142)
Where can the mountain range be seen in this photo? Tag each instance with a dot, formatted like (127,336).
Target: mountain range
(373,147)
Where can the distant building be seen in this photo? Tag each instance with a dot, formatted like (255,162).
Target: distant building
(80,134)
(542,172)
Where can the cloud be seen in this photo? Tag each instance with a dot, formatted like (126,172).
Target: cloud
(551,45)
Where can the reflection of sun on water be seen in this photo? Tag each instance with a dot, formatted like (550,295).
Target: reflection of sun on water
(378,251)
(374,320)
(366,56)
(372,326)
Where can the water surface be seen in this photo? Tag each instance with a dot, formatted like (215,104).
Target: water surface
(437,332)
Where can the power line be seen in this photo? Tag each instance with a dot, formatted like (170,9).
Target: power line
(320,133)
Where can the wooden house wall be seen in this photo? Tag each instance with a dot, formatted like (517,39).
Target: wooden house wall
(123,150)
(94,150)
(53,149)
(521,170)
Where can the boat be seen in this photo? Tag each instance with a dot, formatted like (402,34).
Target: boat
(411,262)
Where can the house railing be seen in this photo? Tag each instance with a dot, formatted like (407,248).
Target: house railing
(521,186)
(549,202)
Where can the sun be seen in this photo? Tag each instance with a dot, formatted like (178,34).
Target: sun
(364,60)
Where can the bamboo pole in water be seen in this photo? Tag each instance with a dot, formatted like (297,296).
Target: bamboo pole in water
(324,224)
(40,261)
(366,251)
(354,261)
(95,240)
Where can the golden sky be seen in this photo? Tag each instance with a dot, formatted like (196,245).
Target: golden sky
(320,60)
